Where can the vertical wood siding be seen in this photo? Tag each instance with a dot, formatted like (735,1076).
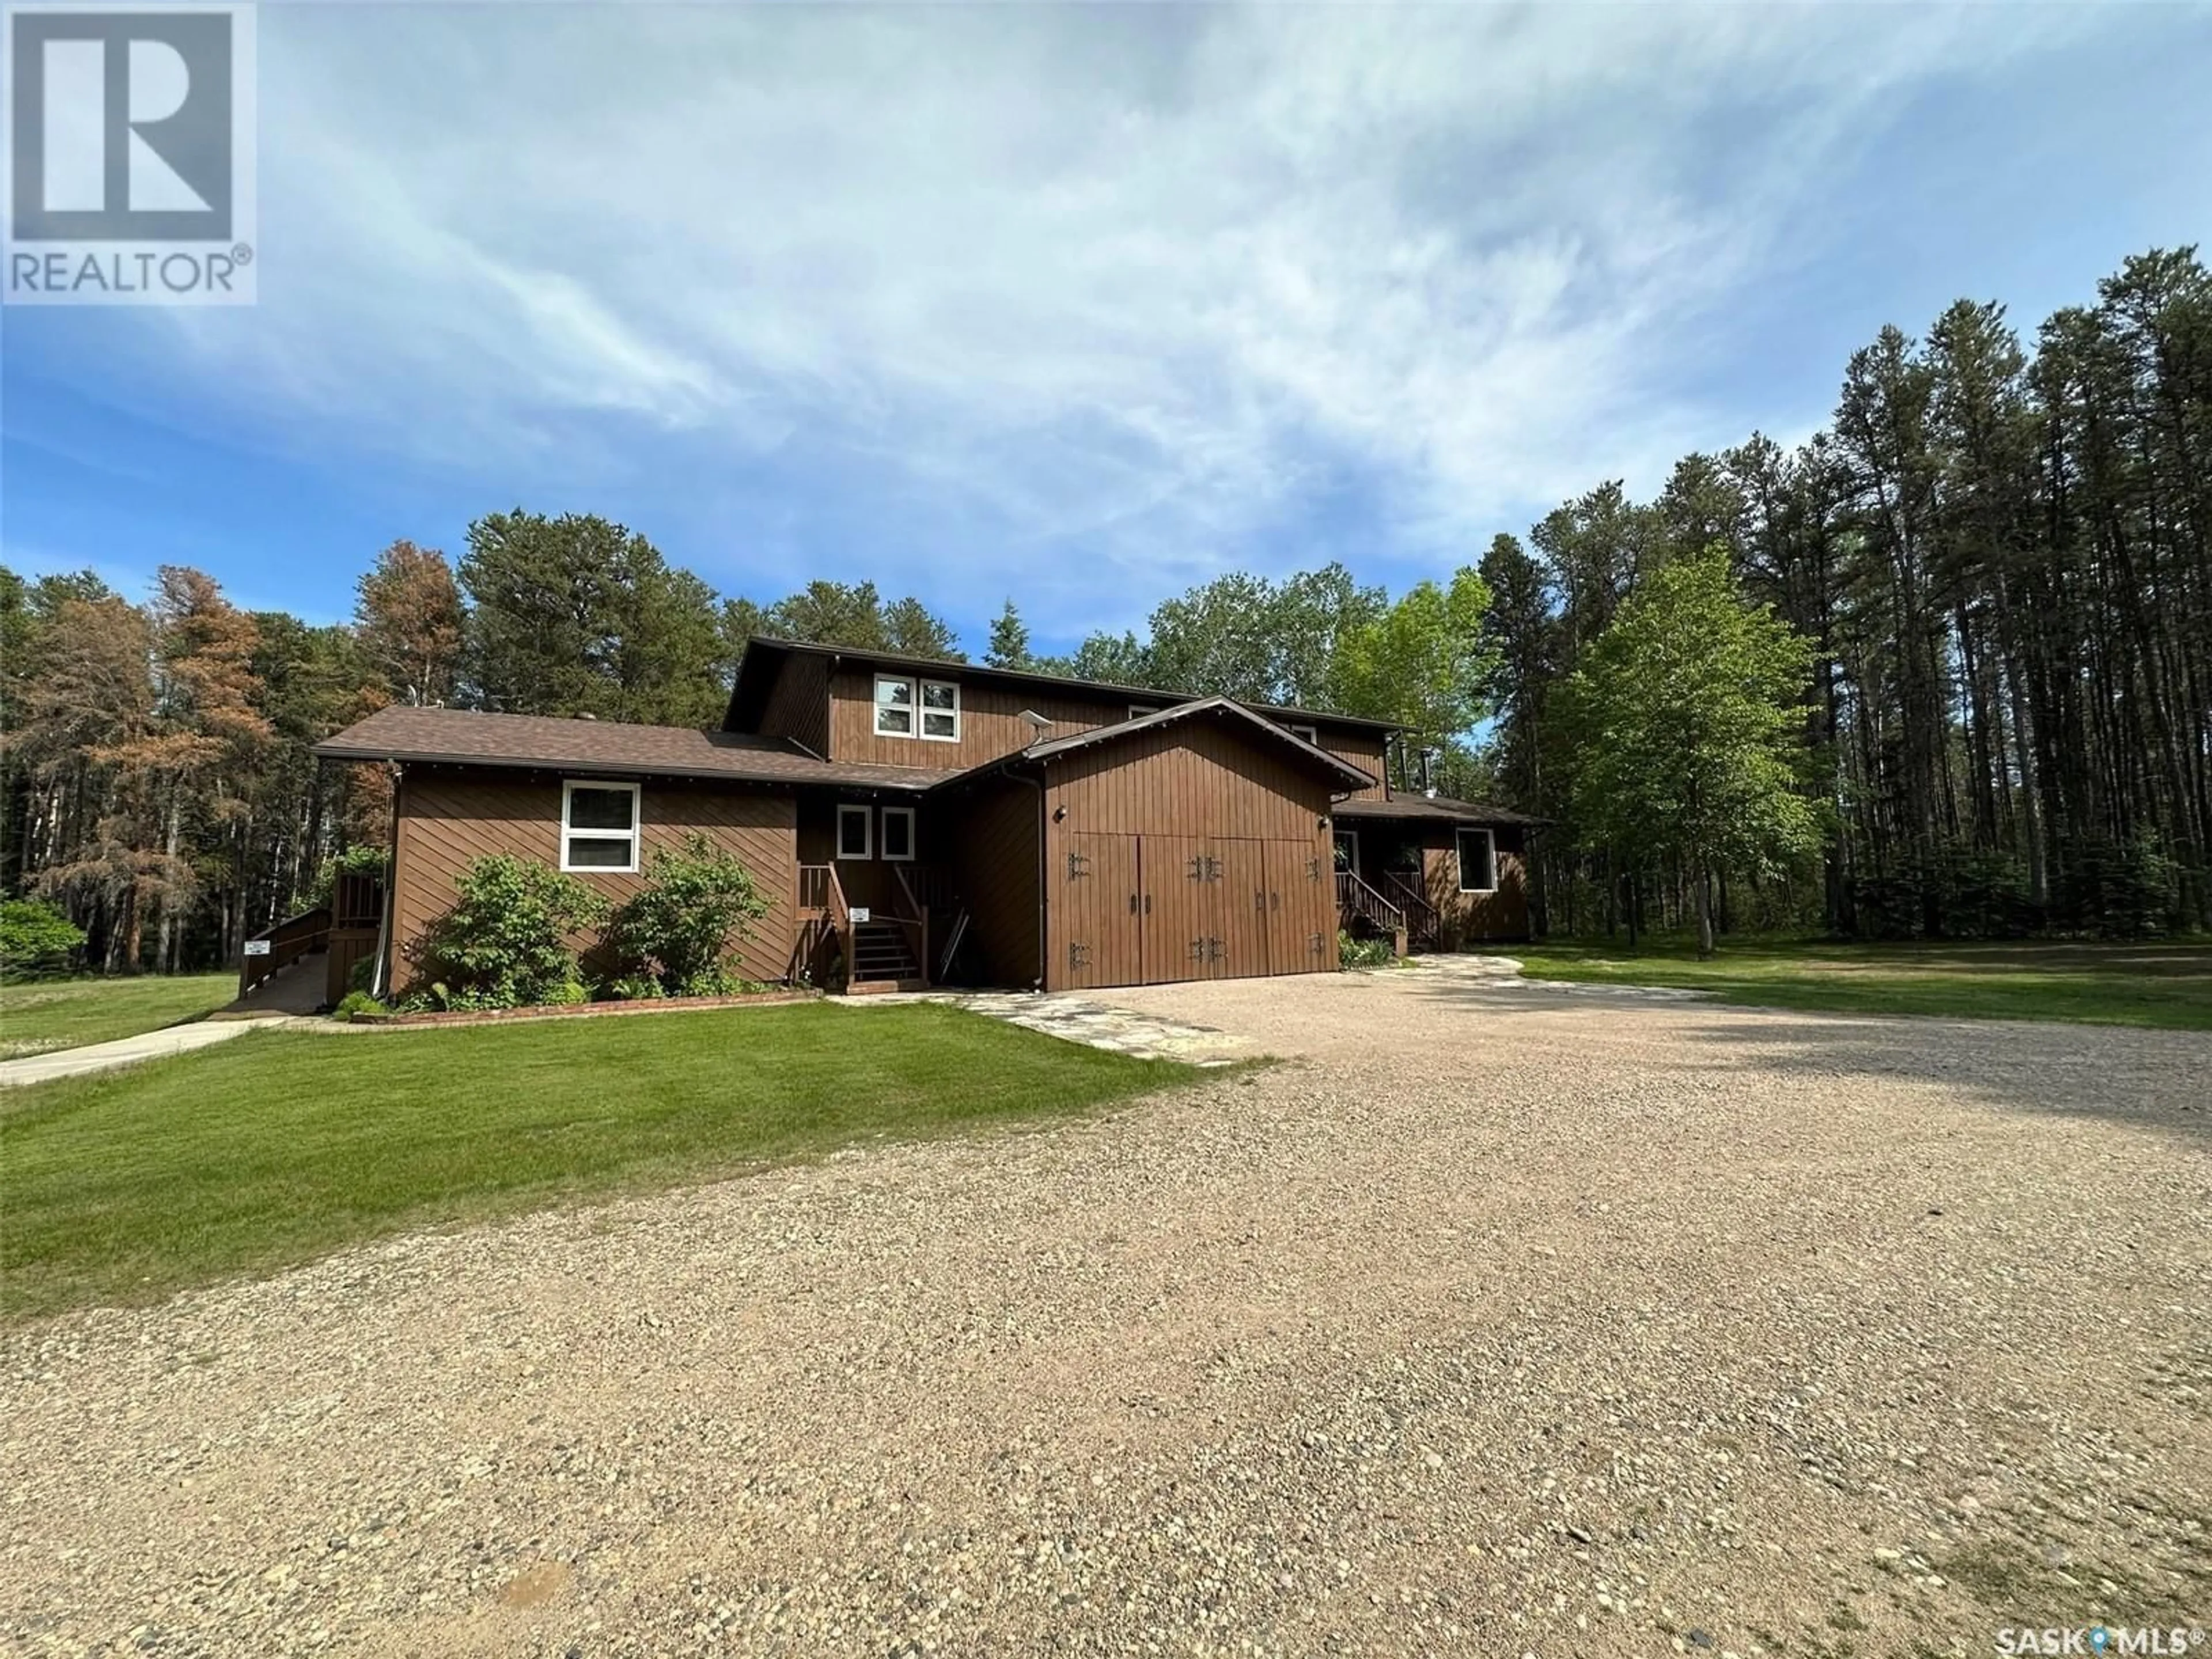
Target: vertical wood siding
(1190,792)
(987,842)
(799,705)
(991,725)
(990,722)
(869,881)
(450,815)
(1363,749)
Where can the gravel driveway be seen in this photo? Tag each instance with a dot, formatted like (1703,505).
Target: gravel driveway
(1493,1322)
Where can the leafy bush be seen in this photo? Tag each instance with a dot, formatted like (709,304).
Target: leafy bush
(358,1002)
(36,940)
(682,929)
(1363,952)
(505,943)
(634,987)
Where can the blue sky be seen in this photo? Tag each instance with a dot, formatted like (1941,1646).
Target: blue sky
(1077,304)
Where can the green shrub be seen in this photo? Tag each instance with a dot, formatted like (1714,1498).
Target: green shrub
(37,940)
(362,976)
(1363,952)
(505,943)
(682,929)
(358,1002)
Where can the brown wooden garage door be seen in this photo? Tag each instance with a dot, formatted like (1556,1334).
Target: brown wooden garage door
(1155,909)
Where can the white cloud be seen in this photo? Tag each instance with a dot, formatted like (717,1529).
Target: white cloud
(1080,299)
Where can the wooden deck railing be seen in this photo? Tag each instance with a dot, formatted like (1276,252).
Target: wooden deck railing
(287,941)
(1357,901)
(915,919)
(824,914)
(1424,921)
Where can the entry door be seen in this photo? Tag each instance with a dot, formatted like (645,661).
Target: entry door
(1242,916)
(1300,908)
(1183,876)
(1104,903)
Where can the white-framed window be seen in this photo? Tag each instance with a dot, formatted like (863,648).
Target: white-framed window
(940,711)
(929,709)
(894,707)
(1478,861)
(852,837)
(897,845)
(599,827)
(1346,845)
(1139,710)
(1308,733)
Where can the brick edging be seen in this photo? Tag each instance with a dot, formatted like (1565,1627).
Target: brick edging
(584,1010)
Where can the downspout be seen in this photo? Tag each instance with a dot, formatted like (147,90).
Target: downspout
(380,983)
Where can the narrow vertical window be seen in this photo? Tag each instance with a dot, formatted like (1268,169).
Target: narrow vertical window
(898,834)
(853,832)
(1477,862)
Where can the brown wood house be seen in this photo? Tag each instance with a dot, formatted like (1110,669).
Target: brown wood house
(921,823)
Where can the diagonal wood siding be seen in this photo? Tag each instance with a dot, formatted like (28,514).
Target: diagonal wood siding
(1473,918)
(450,815)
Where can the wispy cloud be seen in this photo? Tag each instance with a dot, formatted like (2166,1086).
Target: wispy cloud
(1126,285)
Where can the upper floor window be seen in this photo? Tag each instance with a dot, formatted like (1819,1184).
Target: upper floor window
(940,711)
(894,707)
(1308,733)
(929,710)
(1139,710)
(598,827)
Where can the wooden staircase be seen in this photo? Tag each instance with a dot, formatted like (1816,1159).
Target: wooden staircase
(1423,925)
(1365,914)
(883,959)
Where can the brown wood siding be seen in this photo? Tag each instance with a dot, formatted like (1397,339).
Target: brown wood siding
(799,706)
(1363,749)
(991,725)
(871,881)
(990,722)
(1191,791)
(988,842)
(449,816)
(1473,918)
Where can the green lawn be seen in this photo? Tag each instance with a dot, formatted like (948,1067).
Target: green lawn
(66,1013)
(282,1146)
(2163,984)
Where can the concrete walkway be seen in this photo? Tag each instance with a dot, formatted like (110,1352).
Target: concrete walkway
(123,1051)
(1074,1019)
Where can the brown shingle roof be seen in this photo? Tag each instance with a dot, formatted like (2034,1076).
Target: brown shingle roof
(763,659)
(463,737)
(1435,809)
(1255,727)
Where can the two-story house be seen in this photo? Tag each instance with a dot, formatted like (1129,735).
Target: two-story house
(923,822)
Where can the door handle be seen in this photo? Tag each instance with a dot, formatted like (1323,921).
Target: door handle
(1132,904)
(1148,904)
